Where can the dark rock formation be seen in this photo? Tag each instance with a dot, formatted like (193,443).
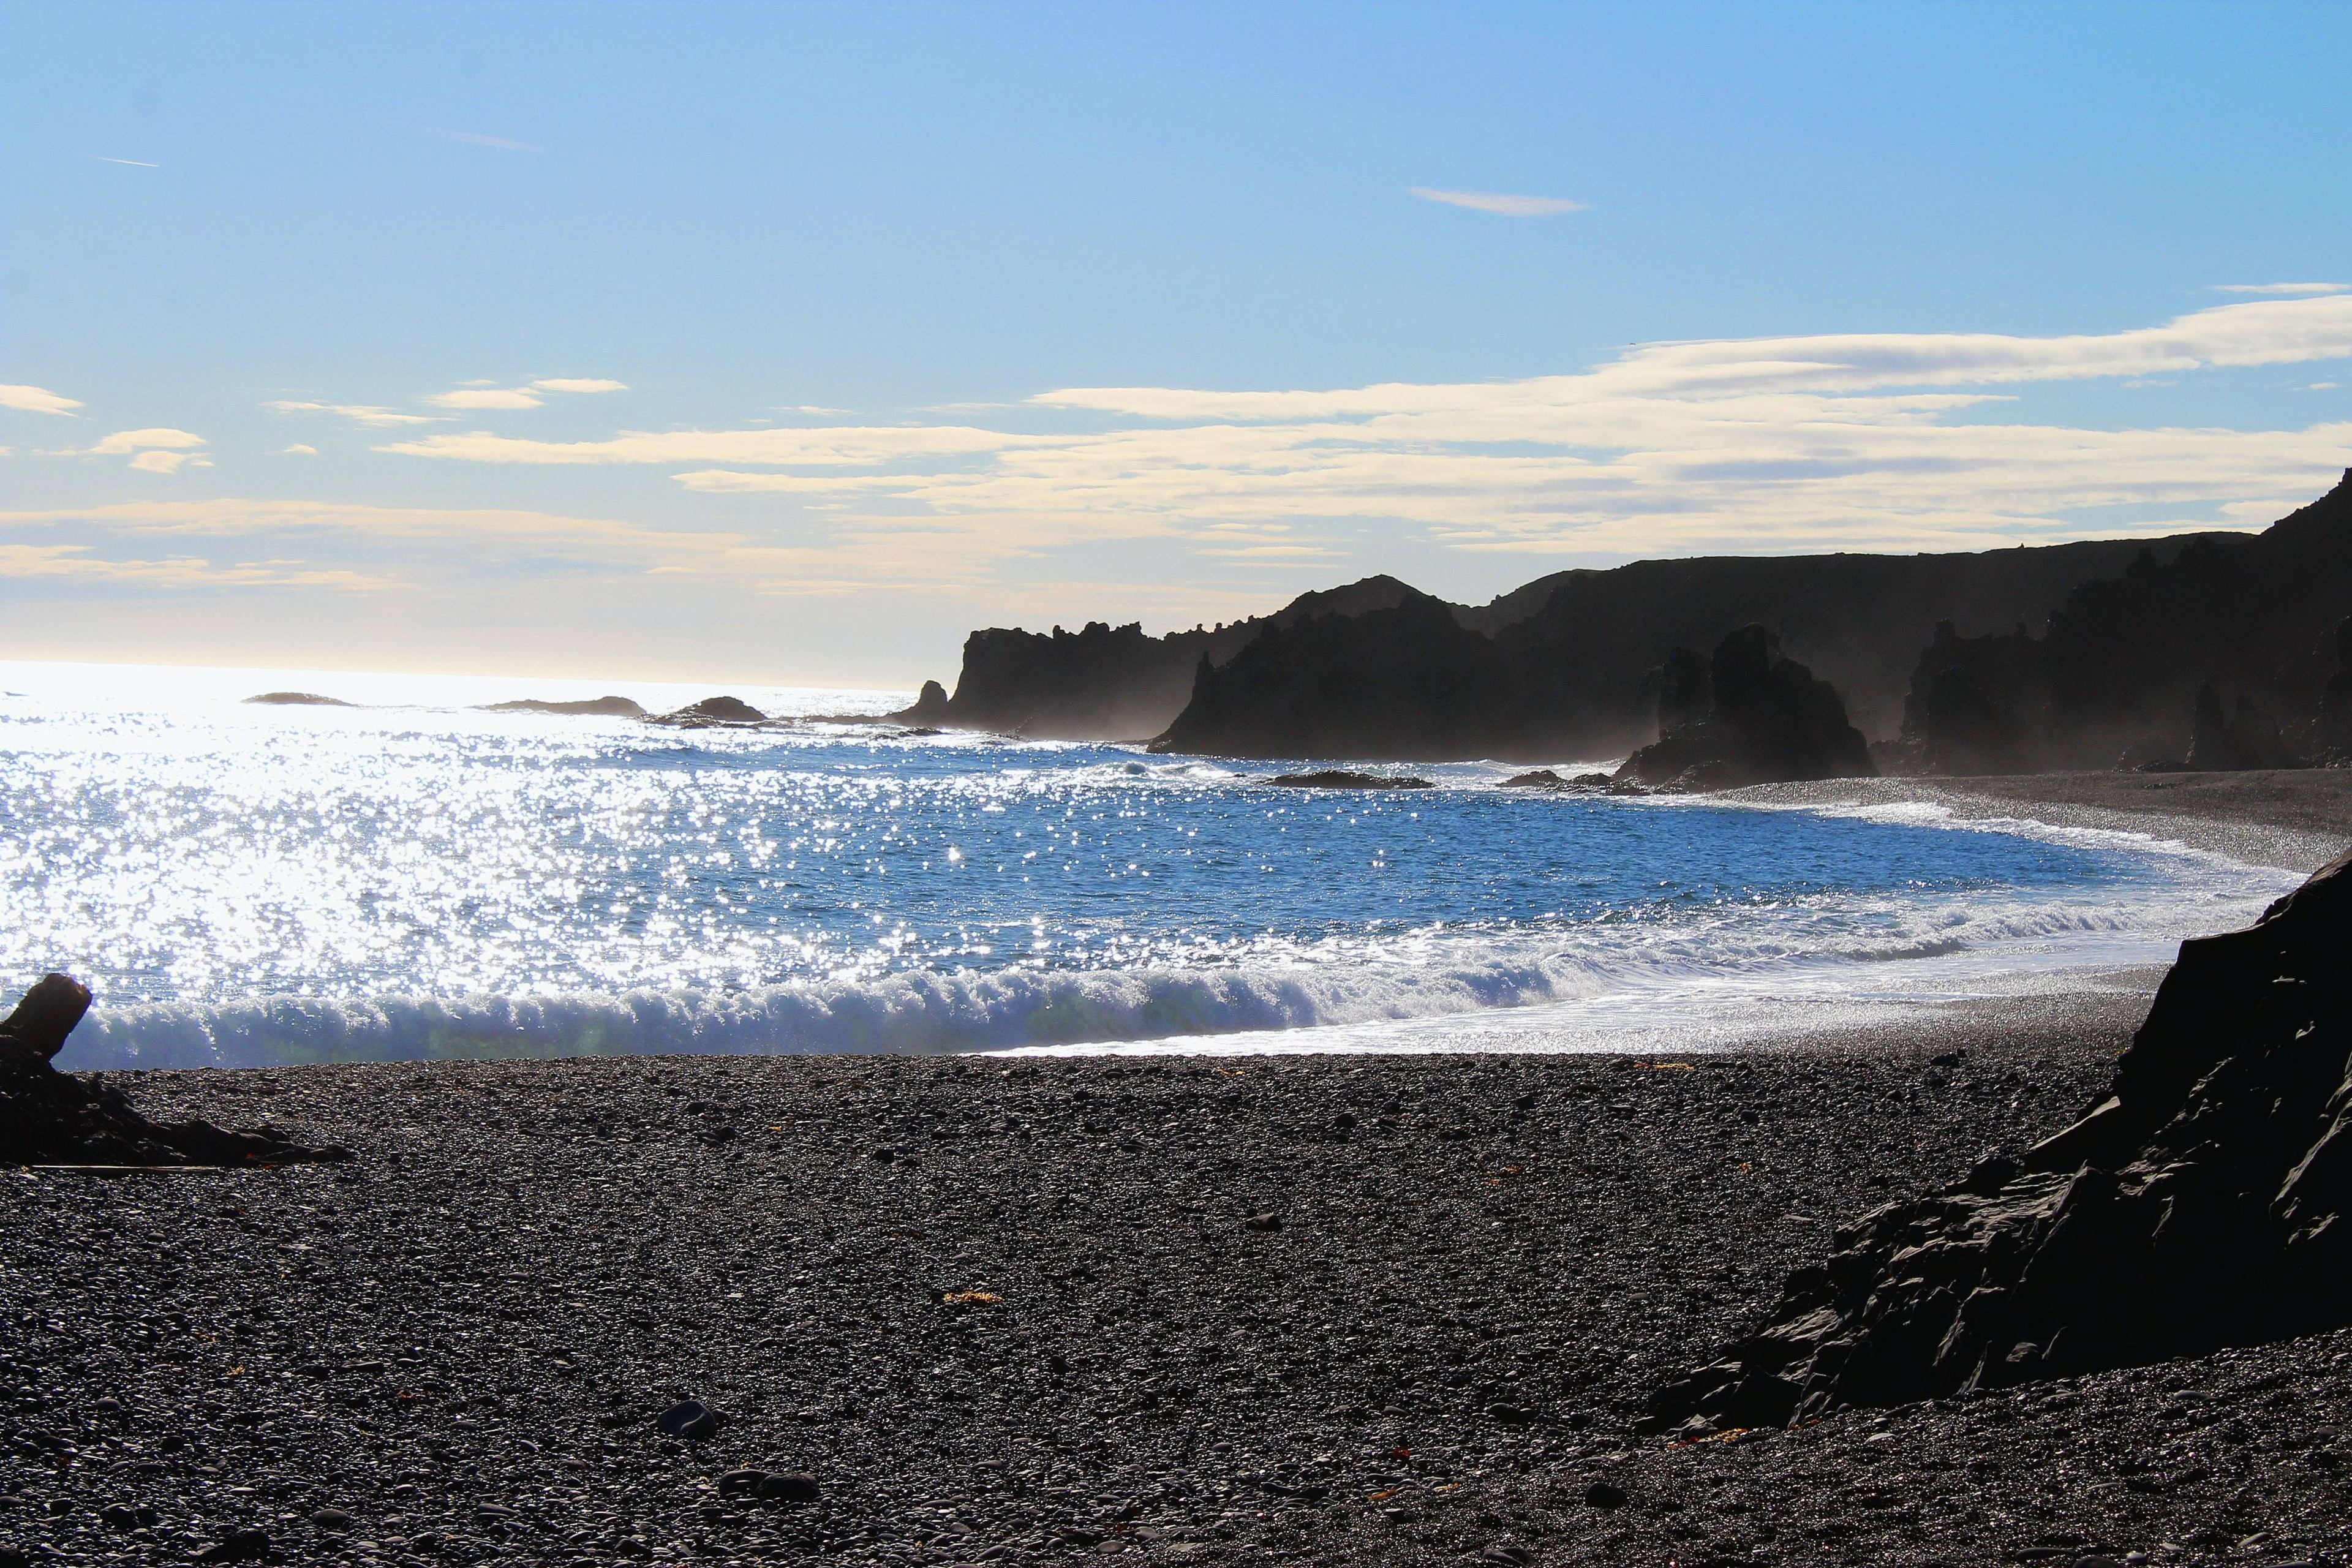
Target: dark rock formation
(2126,662)
(1106,683)
(712,713)
(1340,778)
(1748,715)
(2206,1201)
(298,699)
(50,1118)
(929,706)
(1405,682)
(2246,738)
(591,707)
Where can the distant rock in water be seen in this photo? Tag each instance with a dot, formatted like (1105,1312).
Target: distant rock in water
(300,700)
(929,706)
(1748,715)
(50,1118)
(591,707)
(1340,778)
(712,713)
(2207,1201)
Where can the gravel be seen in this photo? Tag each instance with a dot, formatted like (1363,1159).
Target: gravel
(1327,1309)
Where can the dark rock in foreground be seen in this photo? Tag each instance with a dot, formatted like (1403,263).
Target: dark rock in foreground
(588,707)
(298,699)
(50,1118)
(1748,715)
(2207,1201)
(1340,778)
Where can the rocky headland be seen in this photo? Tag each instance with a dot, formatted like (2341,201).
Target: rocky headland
(2205,651)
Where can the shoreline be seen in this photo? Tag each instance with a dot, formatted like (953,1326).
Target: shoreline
(2293,820)
(1313,1310)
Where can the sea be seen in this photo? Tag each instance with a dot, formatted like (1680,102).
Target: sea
(415,876)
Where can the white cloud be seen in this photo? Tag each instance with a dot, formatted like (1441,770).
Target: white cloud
(2290,289)
(851,445)
(57,561)
(365,414)
(568,384)
(168,462)
(301,450)
(162,438)
(499,397)
(127,163)
(1849,441)
(1498,204)
(35,400)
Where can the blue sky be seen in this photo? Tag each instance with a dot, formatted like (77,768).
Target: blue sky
(789,342)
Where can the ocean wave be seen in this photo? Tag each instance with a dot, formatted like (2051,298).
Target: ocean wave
(1427,976)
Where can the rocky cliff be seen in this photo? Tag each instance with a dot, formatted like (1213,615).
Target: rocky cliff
(2206,1200)
(1113,683)
(2229,651)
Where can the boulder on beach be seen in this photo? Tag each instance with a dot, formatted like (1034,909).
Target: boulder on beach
(586,707)
(50,1118)
(298,699)
(1747,715)
(2245,738)
(2205,1201)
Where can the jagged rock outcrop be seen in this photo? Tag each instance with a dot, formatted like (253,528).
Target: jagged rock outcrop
(1410,682)
(929,706)
(1114,683)
(2206,1201)
(298,699)
(50,1118)
(1750,714)
(2244,739)
(2127,663)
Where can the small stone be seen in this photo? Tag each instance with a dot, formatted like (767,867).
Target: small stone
(1508,1414)
(690,1419)
(332,1518)
(1507,1556)
(120,1515)
(1263,1222)
(1601,1494)
(745,1481)
(791,1487)
(238,1546)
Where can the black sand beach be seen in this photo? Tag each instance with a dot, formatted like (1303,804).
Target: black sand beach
(1327,1309)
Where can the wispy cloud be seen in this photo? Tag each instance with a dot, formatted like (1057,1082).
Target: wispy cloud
(127,163)
(475,399)
(300,449)
(570,384)
(2285,289)
(156,450)
(75,561)
(1848,441)
(35,400)
(476,139)
(1499,204)
(366,414)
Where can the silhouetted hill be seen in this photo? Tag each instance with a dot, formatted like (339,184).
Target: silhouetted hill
(1106,683)
(1576,652)
(2246,630)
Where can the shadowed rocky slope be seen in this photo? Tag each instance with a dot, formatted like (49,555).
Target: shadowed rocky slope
(2214,651)
(2204,1202)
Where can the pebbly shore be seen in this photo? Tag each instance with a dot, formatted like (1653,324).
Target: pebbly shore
(1324,1309)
